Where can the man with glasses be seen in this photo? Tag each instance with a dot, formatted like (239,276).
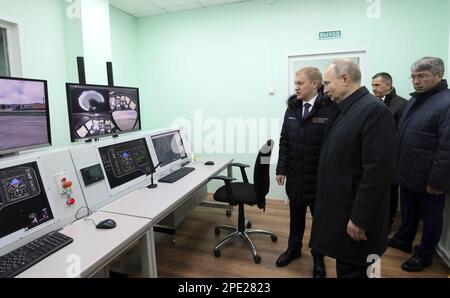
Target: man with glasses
(423,162)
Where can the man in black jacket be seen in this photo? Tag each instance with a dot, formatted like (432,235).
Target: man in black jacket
(423,162)
(355,174)
(382,87)
(301,139)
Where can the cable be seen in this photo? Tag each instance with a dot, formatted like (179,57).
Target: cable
(87,216)
(81,208)
(90,220)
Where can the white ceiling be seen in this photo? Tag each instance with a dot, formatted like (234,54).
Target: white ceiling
(142,8)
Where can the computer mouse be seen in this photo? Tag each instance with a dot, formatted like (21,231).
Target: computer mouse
(209,163)
(106,224)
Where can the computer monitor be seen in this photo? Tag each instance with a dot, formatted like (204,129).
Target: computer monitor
(24,206)
(169,147)
(24,116)
(98,111)
(126,161)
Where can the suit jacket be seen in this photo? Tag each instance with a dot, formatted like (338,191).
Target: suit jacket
(355,173)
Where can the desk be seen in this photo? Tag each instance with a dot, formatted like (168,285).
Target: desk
(135,215)
(157,203)
(92,249)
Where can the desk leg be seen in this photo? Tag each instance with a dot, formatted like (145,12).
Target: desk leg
(148,256)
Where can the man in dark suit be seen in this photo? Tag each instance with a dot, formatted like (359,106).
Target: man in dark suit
(423,162)
(355,172)
(382,86)
(300,142)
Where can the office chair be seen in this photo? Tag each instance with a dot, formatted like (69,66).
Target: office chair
(241,193)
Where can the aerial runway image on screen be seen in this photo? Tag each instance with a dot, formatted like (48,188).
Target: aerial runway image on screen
(23,114)
(101,111)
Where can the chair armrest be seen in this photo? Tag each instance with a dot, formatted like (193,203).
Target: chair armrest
(242,167)
(238,164)
(227,180)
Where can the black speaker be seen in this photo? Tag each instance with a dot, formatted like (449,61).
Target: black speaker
(81,71)
(109,70)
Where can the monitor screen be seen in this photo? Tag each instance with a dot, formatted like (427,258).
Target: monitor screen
(126,161)
(98,111)
(23,202)
(169,147)
(24,116)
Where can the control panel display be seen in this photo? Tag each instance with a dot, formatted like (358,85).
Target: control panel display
(126,161)
(169,147)
(23,201)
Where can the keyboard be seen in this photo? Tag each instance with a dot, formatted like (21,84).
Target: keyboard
(177,175)
(26,256)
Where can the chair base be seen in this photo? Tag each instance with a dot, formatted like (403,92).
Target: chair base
(243,235)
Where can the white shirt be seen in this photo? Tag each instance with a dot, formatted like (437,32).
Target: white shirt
(312,101)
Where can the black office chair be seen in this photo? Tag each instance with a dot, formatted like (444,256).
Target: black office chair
(240,193)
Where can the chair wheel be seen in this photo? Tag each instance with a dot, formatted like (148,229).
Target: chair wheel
(217,231)
(274,238)
(216,253)
(257,259)
(229,211)
(249,225)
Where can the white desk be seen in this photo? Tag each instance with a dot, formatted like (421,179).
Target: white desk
(156,203)
(92,249)
(135,215)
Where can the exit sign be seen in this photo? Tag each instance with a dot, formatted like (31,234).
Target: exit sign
(324,35)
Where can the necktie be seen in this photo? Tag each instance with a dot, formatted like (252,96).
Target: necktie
(306,110)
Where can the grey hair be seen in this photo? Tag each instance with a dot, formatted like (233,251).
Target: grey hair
(347,66)
(433,64)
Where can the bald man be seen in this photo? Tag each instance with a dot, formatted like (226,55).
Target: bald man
(355,172)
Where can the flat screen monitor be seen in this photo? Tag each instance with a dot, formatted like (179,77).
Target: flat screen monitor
(169,147)
(24,206)
(98,111)
(126,161)
(24,116)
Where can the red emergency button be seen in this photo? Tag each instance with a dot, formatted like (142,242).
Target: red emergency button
(67,184)
(70,201)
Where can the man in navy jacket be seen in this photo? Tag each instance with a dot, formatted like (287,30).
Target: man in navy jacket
(423,162)
(300,143)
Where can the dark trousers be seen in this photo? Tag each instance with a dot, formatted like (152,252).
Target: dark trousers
(345,270)
(297,227)
(428,208)
(394,203)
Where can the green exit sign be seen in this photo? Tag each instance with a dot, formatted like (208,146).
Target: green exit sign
(337,34)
